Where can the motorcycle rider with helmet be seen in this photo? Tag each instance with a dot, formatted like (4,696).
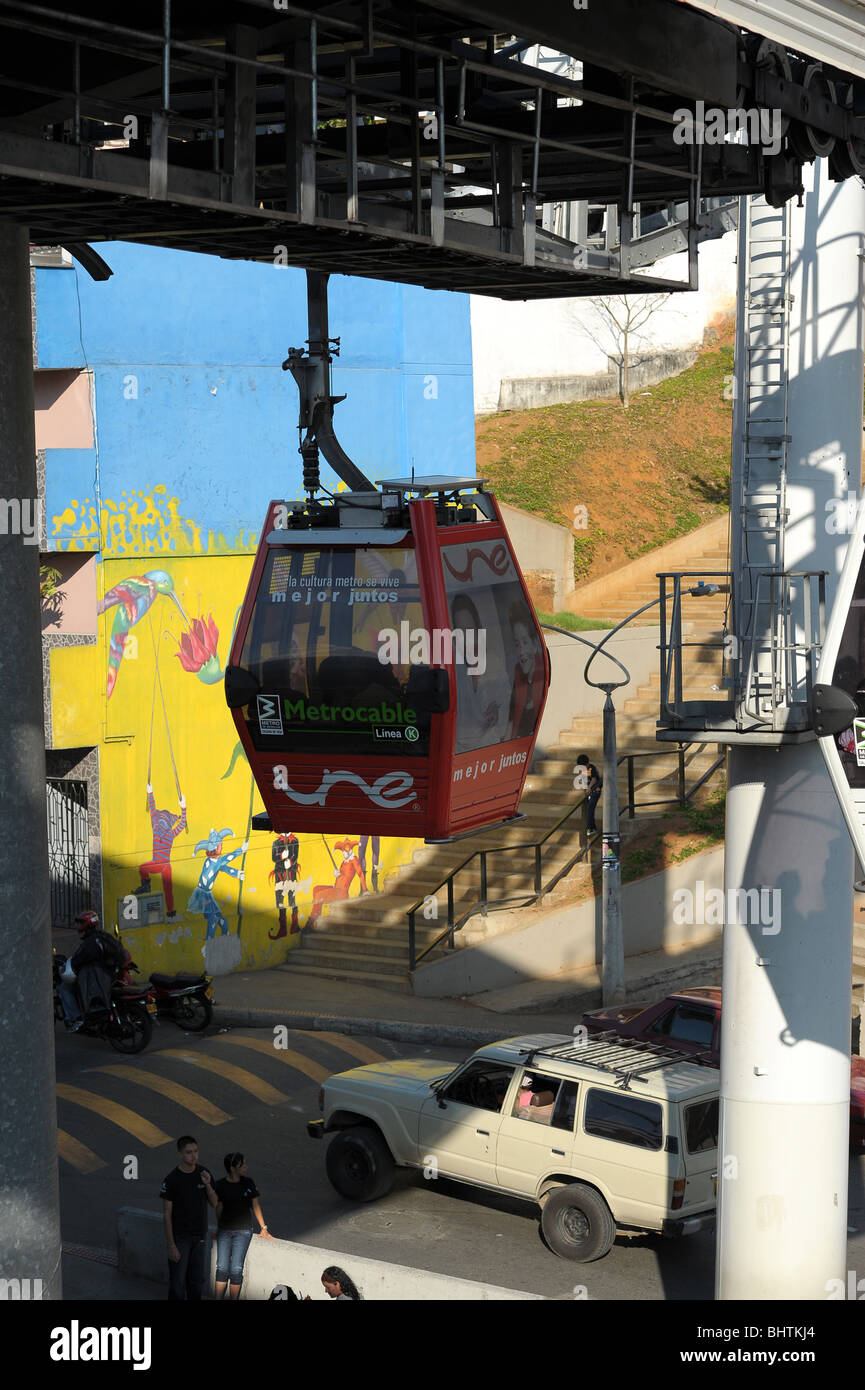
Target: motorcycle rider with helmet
(91,971)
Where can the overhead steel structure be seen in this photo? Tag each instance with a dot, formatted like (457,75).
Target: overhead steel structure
(405,141)
(412,142)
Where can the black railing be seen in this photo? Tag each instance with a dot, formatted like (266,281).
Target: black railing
(483,903)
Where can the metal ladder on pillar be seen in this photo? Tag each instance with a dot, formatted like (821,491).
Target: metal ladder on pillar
(763,598)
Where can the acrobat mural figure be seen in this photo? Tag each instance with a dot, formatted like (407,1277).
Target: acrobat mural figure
(166,828)
(376,863)
(215,863)
(133,598)
(347,871)
(284,852)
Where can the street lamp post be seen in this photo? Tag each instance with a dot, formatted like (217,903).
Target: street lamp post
(612,934)
(613,942)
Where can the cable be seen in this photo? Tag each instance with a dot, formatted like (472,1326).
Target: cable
(167,729)
(97,487)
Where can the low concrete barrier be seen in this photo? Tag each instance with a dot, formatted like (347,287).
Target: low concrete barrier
(567,938)
(141,1251)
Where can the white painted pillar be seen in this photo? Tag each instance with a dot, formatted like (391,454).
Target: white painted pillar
(782,1219)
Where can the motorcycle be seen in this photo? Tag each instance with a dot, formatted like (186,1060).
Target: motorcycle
(127,1024)
(185,999)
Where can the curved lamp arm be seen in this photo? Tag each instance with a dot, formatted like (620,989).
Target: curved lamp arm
(699,590)
(595,649)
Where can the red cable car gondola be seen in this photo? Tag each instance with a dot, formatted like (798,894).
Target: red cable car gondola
(388,673)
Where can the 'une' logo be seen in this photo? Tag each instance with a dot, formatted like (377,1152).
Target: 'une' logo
(390,791)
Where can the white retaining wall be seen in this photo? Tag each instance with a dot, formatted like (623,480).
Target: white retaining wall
(568,938)
(550,338)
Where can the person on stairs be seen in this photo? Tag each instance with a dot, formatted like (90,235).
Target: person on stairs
(594,783)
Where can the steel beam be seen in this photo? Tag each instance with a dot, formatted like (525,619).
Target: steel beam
(665,44)
(240,150)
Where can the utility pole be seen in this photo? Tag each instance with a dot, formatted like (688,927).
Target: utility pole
(29,1197)
(785,1050)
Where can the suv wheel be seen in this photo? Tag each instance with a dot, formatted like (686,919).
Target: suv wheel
(577,1223)
(360,1164)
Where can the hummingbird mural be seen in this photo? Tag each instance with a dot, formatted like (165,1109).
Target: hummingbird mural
(133,598)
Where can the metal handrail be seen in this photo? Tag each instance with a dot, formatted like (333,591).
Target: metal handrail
(483,904)
(770,671)
(671,648)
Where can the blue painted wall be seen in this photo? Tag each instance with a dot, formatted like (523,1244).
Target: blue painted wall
(194,413)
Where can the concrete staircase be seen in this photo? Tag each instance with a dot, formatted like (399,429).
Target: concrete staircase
(615,595)
(366,939)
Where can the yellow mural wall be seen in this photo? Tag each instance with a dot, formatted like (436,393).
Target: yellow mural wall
(188,882)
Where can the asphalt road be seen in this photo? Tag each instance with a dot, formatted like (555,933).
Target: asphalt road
(119,1118)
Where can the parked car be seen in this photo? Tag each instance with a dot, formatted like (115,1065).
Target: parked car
(691,1021)
(544,1119)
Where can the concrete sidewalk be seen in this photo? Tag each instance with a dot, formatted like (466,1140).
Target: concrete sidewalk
(264,998)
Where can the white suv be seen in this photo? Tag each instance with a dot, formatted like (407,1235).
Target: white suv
(601,1135)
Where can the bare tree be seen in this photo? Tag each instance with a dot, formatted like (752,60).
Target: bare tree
(622,317)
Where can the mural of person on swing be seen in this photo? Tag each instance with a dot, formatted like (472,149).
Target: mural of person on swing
(166,828)
(284,852)
(343,876)
(215,863)
(165,825)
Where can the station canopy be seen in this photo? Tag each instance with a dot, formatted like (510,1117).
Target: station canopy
(832,31)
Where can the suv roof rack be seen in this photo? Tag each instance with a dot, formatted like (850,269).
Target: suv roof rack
(606,1049)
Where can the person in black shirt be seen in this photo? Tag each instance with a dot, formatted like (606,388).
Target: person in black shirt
(238,1199)
(186,1193)
(594,785)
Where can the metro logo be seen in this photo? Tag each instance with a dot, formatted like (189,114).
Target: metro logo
(391,791)
(269,714)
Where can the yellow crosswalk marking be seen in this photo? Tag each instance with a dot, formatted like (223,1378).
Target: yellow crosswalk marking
(119,1115)
(354,1049)
(229,1072)
(283,1054)
(77,1154)
(190,1100)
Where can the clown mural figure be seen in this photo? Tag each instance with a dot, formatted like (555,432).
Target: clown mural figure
(284,874)
(215,863)
(349,869)
(221,953)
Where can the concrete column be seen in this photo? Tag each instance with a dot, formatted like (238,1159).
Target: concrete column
(29,1198)
(782,1221)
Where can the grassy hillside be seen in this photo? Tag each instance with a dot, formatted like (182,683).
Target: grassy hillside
(645,475)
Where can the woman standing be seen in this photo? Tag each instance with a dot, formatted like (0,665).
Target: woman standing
(238,1200)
